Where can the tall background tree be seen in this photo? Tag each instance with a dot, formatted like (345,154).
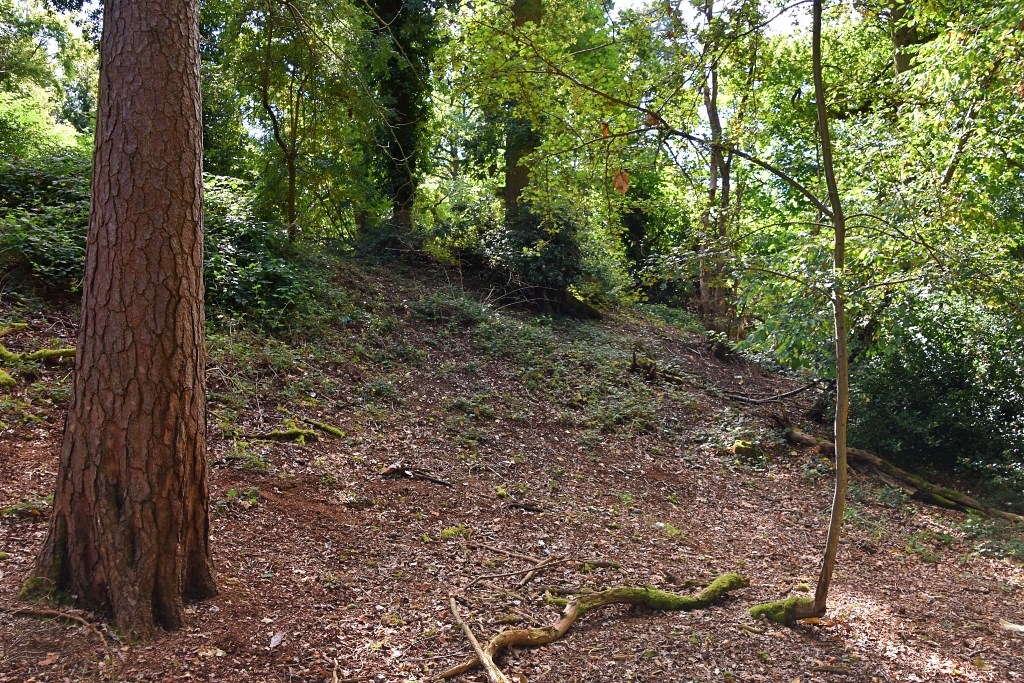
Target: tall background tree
(129,533)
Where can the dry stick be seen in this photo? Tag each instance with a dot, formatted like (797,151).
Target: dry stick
(542,565)
(70,617)
(493,672)
(577,606)
(477,546)
(771,399)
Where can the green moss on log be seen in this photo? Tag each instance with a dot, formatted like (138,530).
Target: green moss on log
(12,328)
(663,600)
(6,381)
(48,354)
(293,435)
(782,611)
(746,449)
(333,431)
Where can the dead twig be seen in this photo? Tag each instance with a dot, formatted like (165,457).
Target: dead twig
(542,565)
(509,553)
(770,399)
(493,672)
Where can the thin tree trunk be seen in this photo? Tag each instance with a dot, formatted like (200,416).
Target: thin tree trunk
(714,297)
(839,308)
(293,229)
(129,532)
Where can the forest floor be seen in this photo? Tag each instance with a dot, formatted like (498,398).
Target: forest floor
(331,569)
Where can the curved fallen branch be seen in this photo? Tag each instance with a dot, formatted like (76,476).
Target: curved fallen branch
(912,485)
(581,604)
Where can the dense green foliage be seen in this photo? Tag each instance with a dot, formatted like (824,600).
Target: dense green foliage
(673,156)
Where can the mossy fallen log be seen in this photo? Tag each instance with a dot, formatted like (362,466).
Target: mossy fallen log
(912,485)
(288,435)
(333,431)
(786,611)
(581,604)
(7,382)
(48,354)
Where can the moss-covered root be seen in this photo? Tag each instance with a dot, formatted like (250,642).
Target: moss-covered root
(288,435)
(6,381)
(663,600)
(333,431)
(12,328)
(41,355)
(49,354)
(787,611)
(581,604)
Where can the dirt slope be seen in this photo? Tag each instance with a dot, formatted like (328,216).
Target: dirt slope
(330,570)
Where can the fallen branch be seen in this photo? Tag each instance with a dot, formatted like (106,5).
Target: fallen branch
(399,469)
(912,485)
(771,399)
(530,570)
(493,672)
(525,506)
(333,431)
(296,435)
(478,546)
(54,614)
(580,605)
(12,328)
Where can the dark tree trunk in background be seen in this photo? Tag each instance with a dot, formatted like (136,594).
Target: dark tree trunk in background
(129,533)
(903,35)
(521,140)
(409,25)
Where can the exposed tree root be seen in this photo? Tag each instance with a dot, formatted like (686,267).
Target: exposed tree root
(581,604)
(912,485)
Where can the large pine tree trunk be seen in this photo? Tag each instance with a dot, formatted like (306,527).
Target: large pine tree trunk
(129,532)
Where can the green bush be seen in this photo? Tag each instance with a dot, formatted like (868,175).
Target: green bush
(943,390)
(538,251)
(44,219)
(251,270)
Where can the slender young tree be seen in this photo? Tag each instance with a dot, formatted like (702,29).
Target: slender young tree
(129,533)
(839,310)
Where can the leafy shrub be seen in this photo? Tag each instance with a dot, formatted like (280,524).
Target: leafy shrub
(943,390)
(251,269)
(439,307)
(539,251)
(44,219)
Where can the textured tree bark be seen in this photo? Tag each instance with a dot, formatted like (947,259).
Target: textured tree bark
(129,532)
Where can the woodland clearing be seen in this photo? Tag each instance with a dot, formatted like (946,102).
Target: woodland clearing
(473,437)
